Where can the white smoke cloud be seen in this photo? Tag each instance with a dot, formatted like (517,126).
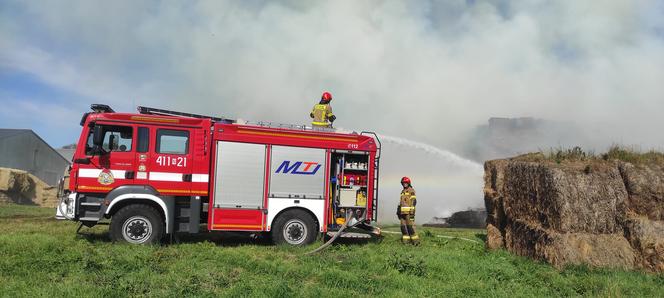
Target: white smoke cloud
(424,70)
(451,64)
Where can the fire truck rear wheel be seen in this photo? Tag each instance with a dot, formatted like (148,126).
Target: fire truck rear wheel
(294,227)
(137,224)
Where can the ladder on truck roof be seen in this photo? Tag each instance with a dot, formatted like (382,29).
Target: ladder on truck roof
(162,112)
(374,201)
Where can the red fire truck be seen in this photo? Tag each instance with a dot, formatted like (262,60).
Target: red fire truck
(157,173)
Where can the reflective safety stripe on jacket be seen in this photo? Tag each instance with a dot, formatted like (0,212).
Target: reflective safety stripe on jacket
(322,114)
(407,210)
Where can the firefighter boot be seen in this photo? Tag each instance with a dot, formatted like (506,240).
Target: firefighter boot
(414,238)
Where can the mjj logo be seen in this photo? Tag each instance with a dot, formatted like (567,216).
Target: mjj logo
(310,168)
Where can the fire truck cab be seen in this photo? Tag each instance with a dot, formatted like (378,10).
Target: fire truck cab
(157,173)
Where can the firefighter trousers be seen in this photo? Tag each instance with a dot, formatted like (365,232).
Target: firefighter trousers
(408,234)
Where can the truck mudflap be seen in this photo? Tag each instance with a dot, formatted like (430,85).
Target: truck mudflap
(66,208)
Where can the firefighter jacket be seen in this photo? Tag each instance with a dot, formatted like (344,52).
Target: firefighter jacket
(408,201)
(322,114)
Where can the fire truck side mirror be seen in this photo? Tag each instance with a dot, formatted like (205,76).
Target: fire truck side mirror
(98,140)
(98,136)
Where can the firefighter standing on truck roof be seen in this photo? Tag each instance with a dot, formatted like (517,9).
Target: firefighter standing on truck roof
(406,213)
(322,112)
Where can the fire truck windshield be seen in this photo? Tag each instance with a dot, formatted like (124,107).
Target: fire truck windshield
(116,138)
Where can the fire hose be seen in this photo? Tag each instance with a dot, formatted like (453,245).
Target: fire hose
(442,236)
(345,226)
(329,242)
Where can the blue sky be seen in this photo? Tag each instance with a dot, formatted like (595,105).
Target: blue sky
(453,64)
(36,100)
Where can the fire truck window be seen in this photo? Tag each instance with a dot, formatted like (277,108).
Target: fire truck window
(143,144)
(116,139)
(172,141)
(88,145)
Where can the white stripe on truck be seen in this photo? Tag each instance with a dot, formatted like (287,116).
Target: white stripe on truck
(94,173)
(200,178)
(153,176)
(162,176)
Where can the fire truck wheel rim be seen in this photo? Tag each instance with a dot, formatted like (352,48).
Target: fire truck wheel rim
(295,232)
(137,229)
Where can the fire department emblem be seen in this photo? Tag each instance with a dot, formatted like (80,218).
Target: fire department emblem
(106,177)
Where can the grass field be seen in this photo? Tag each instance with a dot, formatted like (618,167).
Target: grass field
(40,256)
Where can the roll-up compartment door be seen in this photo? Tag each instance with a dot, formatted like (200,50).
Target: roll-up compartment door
(240,175)
(297,173)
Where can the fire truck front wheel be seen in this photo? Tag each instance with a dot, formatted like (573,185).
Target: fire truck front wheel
(294,227)
(137,224)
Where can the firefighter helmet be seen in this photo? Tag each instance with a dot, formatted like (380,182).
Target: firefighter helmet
(327,96)
(405,180)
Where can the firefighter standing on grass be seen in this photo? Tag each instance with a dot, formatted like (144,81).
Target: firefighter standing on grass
(322,112)
(406,212)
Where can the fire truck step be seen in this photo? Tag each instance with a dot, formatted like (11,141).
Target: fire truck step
(91,204)
(89,219)
(183,212)
(187,215)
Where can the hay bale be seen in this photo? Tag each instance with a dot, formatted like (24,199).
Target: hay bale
(494,174)
(4,198)
(526,239)
(568,198)
(604,250)
(15,181)
(647,237)
(494,181)
(645,187)
(24,188)
(598,213)
(5,176)
(47,197)
(562,249)
(494,237)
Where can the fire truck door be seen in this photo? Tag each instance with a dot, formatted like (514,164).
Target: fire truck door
(239,187)
(113,164)
(143,155)
(171,163)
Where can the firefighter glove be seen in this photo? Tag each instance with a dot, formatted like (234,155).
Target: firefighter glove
(332,118)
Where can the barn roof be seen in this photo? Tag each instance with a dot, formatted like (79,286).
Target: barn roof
(12,132)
